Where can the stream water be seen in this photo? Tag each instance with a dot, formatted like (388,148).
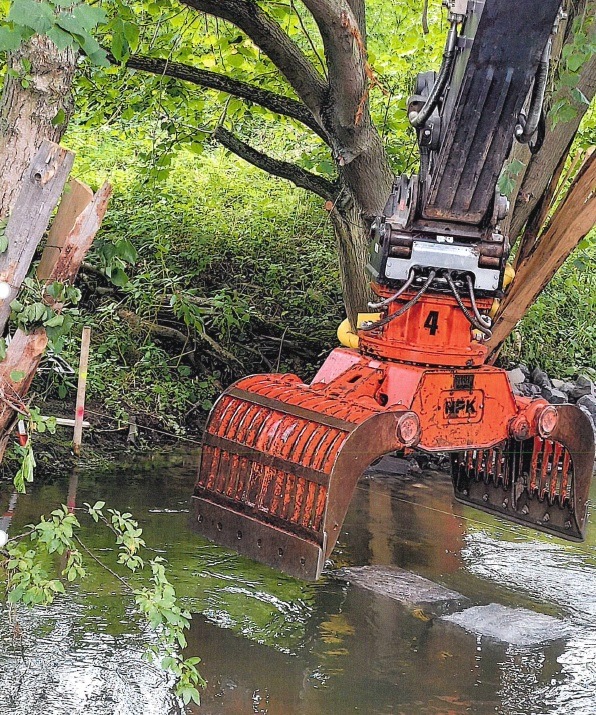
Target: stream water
(271,644)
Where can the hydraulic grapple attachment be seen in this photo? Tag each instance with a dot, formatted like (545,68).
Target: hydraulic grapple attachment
(280,463)
(281,459)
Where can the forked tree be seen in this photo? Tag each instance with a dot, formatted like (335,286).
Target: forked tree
(322,80)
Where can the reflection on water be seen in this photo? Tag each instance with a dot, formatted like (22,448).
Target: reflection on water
(271,644)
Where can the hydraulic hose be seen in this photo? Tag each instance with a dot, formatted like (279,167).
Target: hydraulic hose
(420,118)
(479,325)
(395,296)
(525,129)
(483,319)
(404,308)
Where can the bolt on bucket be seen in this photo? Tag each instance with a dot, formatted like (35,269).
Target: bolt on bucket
(280,463)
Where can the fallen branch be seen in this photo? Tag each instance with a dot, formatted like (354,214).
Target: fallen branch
(574,218)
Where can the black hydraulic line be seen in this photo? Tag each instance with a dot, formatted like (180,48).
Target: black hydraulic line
(526,128)
(471,319)
(480,318)
(404,308)
(433,98)
(395,296)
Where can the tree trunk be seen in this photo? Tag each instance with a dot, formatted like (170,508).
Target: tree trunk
(352,238)
(36,104)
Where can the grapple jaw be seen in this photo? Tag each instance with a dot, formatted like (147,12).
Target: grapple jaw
(281,459)
(279,466)
(543,483)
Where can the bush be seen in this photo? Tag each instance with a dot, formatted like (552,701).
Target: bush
(235,272)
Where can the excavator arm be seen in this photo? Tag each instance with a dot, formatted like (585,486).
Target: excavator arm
(281,458)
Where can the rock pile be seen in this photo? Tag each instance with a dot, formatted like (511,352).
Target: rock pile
(536,383)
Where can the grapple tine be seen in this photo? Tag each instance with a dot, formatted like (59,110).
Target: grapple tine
(279,467)
(542,483)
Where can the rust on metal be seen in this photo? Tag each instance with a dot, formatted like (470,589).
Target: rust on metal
(279,472)
(541,483)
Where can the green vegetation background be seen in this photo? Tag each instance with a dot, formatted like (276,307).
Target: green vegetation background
(243,265)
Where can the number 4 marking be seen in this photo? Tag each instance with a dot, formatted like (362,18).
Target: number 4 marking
(432,322)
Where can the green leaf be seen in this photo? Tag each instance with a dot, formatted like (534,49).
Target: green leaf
(54,322)
(3,237)
(580,97)
(575,61)
(51,424)
(29,13)
(507,180)
(118,277)
(68,22)
(131,32)
(60,118)
(88,16)
(10,39)
(126,251)
(119,45)
(61,39)
(17,375)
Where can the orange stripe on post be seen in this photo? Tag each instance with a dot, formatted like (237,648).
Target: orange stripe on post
(81,388)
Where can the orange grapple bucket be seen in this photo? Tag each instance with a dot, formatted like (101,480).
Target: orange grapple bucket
(279,466)
(281,459)
(537,482)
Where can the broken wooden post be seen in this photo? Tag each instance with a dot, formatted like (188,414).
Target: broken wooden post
(64,265)
(81,387)
(77,196)
(42,187)
(77,221)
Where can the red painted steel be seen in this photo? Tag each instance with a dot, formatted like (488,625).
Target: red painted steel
(281,458)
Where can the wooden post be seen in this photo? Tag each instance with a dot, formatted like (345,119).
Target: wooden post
(77,221)
(82,384)
(77,196)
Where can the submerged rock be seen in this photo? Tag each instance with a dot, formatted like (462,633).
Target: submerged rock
(389,464)
(517,626)
(409,589)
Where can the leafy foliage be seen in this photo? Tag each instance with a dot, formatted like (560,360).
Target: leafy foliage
(68,23)
(31,579)
(573,57)
(558,333)
(246,289)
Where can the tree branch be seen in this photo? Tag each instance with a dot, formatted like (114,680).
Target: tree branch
(265,32)
(213,80)
(285,170)
(345,52)
(540,167)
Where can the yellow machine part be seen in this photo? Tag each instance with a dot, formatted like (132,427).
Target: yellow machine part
(346,336)
(508,277)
